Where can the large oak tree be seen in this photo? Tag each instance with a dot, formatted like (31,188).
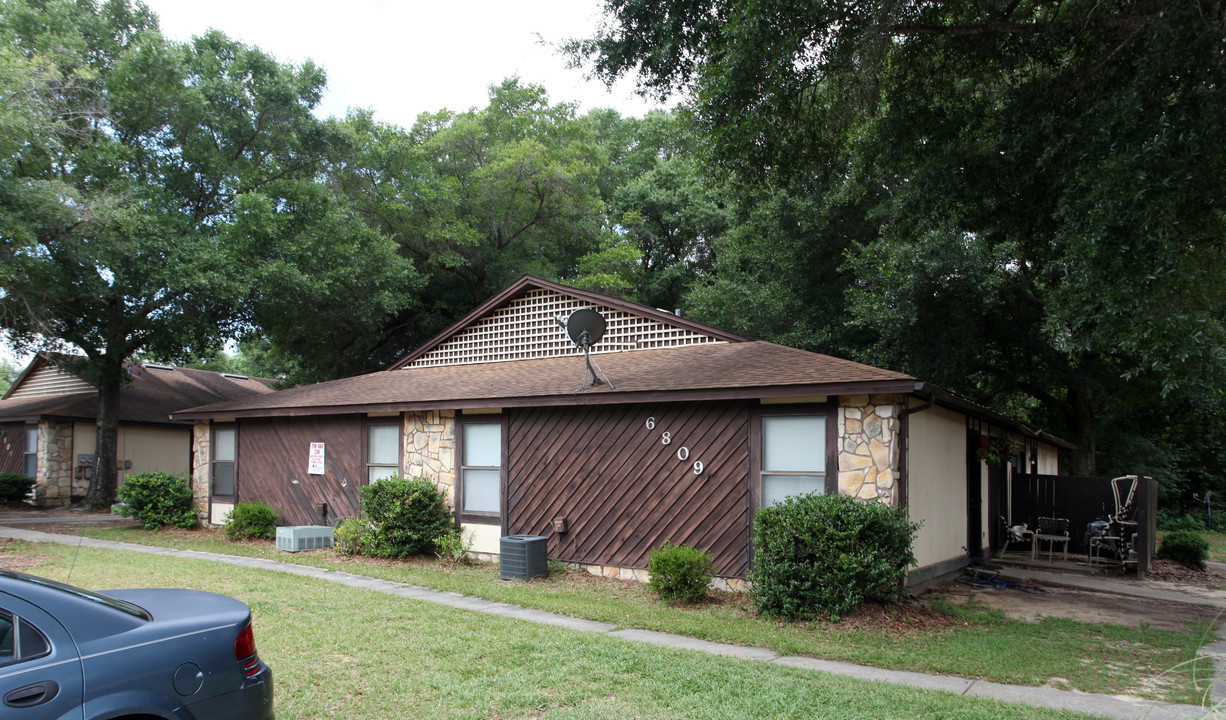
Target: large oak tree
(161,198)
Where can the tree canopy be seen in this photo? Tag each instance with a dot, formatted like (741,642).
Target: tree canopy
(1035,188)
(151,186)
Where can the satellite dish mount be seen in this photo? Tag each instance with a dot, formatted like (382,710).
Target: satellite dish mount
(586,327)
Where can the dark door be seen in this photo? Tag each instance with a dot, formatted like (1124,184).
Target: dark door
(998,505)
(974,498)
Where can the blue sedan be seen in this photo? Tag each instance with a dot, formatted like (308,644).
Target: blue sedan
(71,653)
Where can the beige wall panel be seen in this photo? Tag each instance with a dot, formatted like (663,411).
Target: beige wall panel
(1049,460)
(486,538)
(84,436)
(154,449)
(936,483)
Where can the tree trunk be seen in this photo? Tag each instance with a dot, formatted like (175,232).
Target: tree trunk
(1082,421)
(105,480)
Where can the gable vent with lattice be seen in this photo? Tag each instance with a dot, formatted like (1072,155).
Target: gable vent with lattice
(526,329)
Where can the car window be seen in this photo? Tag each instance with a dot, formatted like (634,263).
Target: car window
(19,640)
(6,638)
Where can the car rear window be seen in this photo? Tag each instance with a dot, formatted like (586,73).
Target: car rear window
(113,603)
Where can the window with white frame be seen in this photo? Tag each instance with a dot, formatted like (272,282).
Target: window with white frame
(382,451)
(793,456)
(481,467)
(225,452)
(30,458)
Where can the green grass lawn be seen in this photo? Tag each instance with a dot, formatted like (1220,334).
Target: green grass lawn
(977,643)
(340,652)
(1217,546)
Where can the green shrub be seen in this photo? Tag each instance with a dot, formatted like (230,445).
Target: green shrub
(679,572)
(349,536)
(823,555)
(1185,546)
(454,546)
(157,499)
(15,486)
(406,516)
(252,520)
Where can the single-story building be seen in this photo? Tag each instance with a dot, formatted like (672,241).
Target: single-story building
(695,429)
(48,423)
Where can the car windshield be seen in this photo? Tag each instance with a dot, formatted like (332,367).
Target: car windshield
(114,604)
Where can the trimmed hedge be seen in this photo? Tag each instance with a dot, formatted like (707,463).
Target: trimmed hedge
(406,516)
(15,486)
(157,499)
(680,572)
(819,556)
(249,521)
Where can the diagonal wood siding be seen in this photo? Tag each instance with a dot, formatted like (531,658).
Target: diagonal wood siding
(12,447)
(623,492)
(272,466)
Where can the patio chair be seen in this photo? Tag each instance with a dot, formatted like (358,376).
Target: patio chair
(1053,531)
(1015,534)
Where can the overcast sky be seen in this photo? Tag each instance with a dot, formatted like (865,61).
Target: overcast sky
(404,57)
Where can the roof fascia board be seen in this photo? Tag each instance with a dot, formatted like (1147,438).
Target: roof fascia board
(615,397)
(948,400)
(529,282)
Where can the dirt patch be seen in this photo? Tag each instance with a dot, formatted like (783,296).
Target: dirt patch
(22,562)
(1081,605)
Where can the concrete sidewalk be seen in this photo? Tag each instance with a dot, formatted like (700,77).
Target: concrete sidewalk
(1091,704)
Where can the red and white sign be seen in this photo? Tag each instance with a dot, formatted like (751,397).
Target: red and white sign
(316,465)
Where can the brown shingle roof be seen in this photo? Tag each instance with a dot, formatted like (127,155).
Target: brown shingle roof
(154,393)
(742,369)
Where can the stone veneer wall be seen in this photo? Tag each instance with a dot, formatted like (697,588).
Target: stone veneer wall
(201,456)
(868,447)
(429,448)
(55,485)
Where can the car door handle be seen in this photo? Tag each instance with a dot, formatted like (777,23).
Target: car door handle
(32,695)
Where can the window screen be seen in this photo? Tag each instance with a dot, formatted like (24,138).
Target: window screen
(482,467)
(382,451)
(793,456)
(225,440)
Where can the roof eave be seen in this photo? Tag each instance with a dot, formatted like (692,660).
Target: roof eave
(948,400)
(598,397)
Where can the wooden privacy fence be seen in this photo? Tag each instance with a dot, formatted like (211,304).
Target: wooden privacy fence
(1082,500)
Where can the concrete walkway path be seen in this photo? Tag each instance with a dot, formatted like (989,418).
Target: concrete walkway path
(1107,706)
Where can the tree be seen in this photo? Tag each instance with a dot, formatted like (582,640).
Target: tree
(169,183)
(475,199)
(1067,154)
(663,210)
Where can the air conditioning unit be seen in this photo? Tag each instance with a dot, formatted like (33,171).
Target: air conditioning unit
(522,557)
(304,537)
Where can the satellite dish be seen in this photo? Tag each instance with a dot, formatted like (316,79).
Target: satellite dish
(585,327)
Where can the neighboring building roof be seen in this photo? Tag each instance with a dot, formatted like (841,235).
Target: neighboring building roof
(45,391)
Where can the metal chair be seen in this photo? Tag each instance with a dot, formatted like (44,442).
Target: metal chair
(1052,531)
